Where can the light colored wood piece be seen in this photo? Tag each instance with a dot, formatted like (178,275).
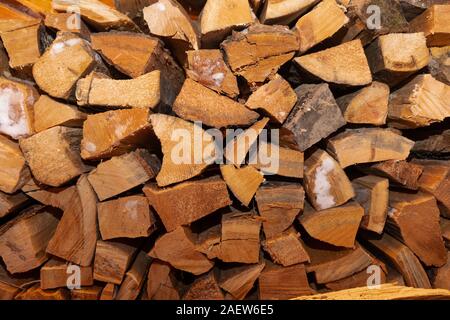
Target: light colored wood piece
(238,281)
(434,24)
(243,182)
(435,179)
(55,274)
(399,172)
(134,278)
(286,248)
(9,203)
(283,11)
(161,284)
(14,172)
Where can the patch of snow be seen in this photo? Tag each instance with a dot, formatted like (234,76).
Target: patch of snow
(322,186)
(120,130)
(218,78)
(161,6)
(90,147)
(13,120)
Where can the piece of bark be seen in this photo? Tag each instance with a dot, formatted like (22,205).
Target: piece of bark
(395,56)
(23,46)
(419,103)
(193,161)
(273,159)
(243,182)
(282,283)
(14,173)
(238,281)
(399,172)
(246,58)
(67,22)
(403,259)
(337,226)
(68,59)
(372,193)
(112,260)
(86,293)
(53,155)
(279,203)
(286,248)
(315,116)
(284,11)
(326,184)
(168,19)
(320,23)
(23,240)
(127,217)
(219,18)
(178,249)
(161,285)
(16,102)
(9,203)
(241,143)
(196,102)
(240,238)
(134,278)
(100,16)
(435,144)
(55,274)
(368,105)
(196,197)
(122,173)
(414,219)
(367,145)
(76,235)
(275,98)
(50,113)
(208,67)
(345,64)
(439,65)
(434,24)
(109,292)
(204,288)
(332,265)
(435,179)
(36,293)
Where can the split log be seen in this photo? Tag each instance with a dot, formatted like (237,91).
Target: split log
(55,274)
(178,249)
(76,235)
(208,68)
(53,155)
(238,281)
(286,248)
(14,173)
(141,92)
(368,105)
(4,61)
(279,203)
(439,65)
(372,193)
(196,155)
(438,144)
(259,51)
(114,133)
(161,285)
(433,23)
(134,278)
(50,113)
(10,203)
(345,64)
(243,182)
(419,103)
(284,11)
(395,56)
(208,241)
(403,173)
(132,9)
(10,285)
(204,288)
(275,98)
(282,283)
(414,220)
(17,100)
(198,103)
(68,59)
(320,23)
(326,184)
(435,180)
(44,7)
(36,293)
(366,145)
(112,260)
(196,198)
(127,217)
(122,173)
(337,226)
(23,240)
(67,22)
(219,18)
(442,275)
(403,259)
(359,279)
(315,116)
(86,293)
(56,197)
(333,265)
(109,292)
(99,15)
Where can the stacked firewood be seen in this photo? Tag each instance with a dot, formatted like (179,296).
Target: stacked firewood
(347,99)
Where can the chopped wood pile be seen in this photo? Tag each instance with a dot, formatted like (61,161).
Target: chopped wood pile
(232,149)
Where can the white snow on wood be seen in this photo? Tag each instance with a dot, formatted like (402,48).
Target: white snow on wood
(322,185)
(13,121)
